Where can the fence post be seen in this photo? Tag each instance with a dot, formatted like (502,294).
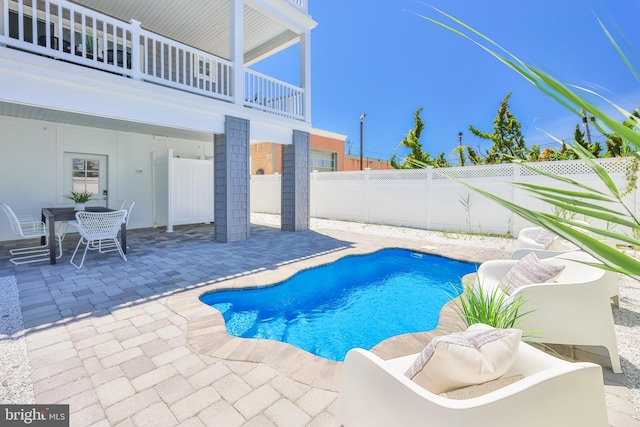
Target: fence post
(170,188)
(313,191)
(513,218)
(367,199)
(429,195)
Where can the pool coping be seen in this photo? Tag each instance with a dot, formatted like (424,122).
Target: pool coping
(207,333)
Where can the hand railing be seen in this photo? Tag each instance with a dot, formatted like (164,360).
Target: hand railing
(265,93)
(167,62)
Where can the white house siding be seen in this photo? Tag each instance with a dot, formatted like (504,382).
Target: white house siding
(31,166)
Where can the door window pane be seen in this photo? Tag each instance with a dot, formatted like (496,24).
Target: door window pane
(85,175)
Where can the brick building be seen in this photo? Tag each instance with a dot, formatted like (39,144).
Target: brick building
(327,155)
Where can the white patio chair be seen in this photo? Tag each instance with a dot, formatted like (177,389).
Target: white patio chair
(573,308)
(526,243)
(97,229)
(28,227)
(109,246)
(553,392)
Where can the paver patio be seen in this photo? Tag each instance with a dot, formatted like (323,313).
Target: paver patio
(129,344)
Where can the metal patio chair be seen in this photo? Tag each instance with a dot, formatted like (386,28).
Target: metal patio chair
(28,227)
(99,230)
(109,246)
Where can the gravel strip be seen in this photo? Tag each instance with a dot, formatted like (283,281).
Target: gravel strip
(15,369)
(627,320)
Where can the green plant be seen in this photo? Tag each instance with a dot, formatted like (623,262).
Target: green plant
(79,196)
(581,199)
(466,204)
(631,175)
(494,308)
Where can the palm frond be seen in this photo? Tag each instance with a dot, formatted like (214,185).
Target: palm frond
(581,198)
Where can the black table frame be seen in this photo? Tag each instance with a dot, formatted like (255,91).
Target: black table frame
(51,215)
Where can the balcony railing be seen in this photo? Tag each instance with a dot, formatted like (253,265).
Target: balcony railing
(302,4)
(264,93)
(68,32)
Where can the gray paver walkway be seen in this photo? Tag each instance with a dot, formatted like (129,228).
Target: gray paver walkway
(129,344)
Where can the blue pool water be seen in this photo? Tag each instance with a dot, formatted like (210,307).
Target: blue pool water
(356,301)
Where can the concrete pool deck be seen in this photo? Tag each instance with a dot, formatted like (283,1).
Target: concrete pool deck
(130,344)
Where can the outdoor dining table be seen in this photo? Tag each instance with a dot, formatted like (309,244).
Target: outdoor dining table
(51,215)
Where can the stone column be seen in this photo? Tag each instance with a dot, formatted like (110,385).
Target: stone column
(295,183)
(231,179)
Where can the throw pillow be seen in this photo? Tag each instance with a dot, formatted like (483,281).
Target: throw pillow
(528,270)
(460,359)
(544,237)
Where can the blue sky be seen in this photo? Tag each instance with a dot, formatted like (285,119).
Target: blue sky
(379,58)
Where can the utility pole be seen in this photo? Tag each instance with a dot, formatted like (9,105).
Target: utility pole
(585,122)
(361,128)
(461,153)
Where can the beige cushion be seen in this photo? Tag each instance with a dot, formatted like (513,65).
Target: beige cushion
(481,389)
(561,245)
(460,359)
(528,270)
(545,237)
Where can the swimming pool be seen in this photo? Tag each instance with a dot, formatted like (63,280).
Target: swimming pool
(356,301)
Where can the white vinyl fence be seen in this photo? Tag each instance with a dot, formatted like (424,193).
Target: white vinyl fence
(190,191)
(434,199)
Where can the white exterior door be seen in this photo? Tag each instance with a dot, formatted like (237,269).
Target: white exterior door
(86,172)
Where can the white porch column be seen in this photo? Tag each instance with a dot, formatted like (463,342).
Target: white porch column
(236,49)
(305,74)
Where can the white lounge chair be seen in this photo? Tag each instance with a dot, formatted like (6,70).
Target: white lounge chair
(28,227)
(573,309)
(553,392)
(526,243)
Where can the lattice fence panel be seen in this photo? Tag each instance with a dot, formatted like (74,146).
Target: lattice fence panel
(505,171)
(612,166)
(409,174)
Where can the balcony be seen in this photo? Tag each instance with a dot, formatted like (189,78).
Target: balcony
(199,63)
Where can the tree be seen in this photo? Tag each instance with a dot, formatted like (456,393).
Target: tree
(618,146)
(507,139)
(473,156)
(441,162)
(417,158)
(578,138)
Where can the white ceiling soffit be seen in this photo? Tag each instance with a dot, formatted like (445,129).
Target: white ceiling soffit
(73,118)
(204,26)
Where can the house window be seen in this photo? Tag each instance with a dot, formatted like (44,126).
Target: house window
(204,68)
(324,161)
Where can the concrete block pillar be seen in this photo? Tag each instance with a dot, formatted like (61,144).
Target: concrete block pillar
(296,183)
(231,179)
